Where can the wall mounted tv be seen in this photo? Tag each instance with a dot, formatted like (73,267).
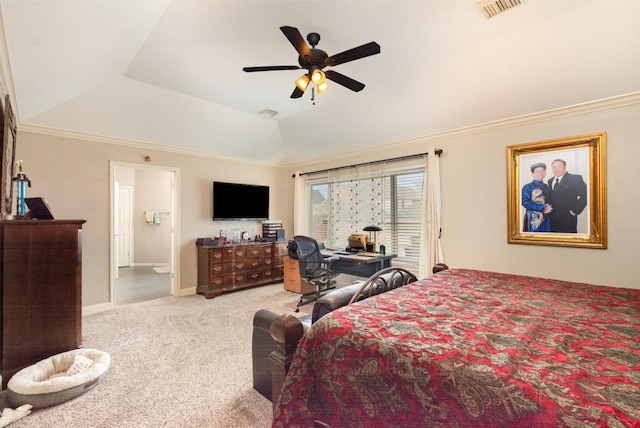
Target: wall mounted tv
(234,201)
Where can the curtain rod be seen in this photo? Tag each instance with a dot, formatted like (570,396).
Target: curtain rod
(438,153)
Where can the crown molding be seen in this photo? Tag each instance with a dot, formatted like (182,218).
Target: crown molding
(102,139)
(435,138)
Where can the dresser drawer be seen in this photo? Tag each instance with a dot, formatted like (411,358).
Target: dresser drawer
(260,275)
(258,250)
(219,282)
(258,262)
(219,268)
(220,255)
(273,273)
(239,252)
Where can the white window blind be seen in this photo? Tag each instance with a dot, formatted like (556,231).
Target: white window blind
(403,219)
(391,199)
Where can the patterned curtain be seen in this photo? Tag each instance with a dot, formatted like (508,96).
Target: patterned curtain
(357,195)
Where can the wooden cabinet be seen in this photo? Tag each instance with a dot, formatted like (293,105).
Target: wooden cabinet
(225,268)
(292,280)
(41,280)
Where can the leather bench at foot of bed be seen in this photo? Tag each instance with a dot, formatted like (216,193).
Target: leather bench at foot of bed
(276,336)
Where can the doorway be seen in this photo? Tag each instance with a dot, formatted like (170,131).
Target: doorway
(144,238)
(124,218)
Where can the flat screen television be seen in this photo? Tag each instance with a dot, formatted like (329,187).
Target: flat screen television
(234,201)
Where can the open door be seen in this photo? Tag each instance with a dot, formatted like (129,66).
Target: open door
(123,229)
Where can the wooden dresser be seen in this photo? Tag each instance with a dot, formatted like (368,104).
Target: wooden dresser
(225,268)
(41,281)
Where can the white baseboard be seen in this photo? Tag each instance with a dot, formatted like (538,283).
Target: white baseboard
(103,307)
(150,264)
(95,309)
(187,291)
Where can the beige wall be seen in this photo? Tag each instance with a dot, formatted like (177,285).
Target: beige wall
(152,243)
(474,207)
(74,176)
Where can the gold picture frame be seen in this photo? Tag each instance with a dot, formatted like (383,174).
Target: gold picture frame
(573,214)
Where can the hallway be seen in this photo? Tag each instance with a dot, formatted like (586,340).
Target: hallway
(140,283)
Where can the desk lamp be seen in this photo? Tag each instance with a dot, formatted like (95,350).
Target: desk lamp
(375,230)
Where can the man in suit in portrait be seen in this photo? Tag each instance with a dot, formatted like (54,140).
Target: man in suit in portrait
(568,198)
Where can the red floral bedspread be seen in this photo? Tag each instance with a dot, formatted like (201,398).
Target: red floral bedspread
(467,348)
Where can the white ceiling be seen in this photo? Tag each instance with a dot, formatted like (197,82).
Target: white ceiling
(169,72)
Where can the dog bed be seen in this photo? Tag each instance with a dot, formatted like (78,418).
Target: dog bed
(58,378)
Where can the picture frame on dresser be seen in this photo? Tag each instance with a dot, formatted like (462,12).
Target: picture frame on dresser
(556,192)
(7,168)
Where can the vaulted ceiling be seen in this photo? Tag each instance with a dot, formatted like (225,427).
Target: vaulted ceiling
(169,72)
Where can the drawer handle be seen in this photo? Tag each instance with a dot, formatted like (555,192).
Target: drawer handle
(254,264)
(254,252)
(217,255)
(217,282)
(239,253)
(239,265)
(267,273)
(254,276)
(268,261)
(267,250)
(217,268)
(239,278)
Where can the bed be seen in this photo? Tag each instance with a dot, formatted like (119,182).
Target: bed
(469,348)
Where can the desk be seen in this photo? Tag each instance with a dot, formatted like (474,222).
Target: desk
(354,264)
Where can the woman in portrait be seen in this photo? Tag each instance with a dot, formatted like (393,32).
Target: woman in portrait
(534,199)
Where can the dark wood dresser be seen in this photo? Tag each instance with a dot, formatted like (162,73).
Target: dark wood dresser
(41,282)
(230,267)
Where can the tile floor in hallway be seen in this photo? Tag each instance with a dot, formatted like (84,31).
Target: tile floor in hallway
(140,283)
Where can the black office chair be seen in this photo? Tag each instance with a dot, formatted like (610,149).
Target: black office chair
(315,268)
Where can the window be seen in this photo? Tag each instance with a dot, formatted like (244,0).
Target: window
(392,201)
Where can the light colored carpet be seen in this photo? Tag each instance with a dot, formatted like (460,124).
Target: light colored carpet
(175,362)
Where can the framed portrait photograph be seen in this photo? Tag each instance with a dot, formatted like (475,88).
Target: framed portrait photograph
(556,192)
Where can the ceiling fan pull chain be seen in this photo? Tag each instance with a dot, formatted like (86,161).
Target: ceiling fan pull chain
(313,96)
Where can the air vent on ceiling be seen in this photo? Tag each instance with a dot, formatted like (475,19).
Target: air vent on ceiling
(491,8)
(267,113)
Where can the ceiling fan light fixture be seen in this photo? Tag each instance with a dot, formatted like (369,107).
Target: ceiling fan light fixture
(318,76)
(302,82)
(322,87)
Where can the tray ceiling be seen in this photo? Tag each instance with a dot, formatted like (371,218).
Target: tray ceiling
(170,72)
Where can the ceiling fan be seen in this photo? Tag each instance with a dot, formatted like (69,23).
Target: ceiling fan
(315,60)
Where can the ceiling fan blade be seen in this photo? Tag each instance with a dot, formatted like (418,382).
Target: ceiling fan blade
(297,93)
(271,68)
(343,80)
(368,49)
(296,39)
